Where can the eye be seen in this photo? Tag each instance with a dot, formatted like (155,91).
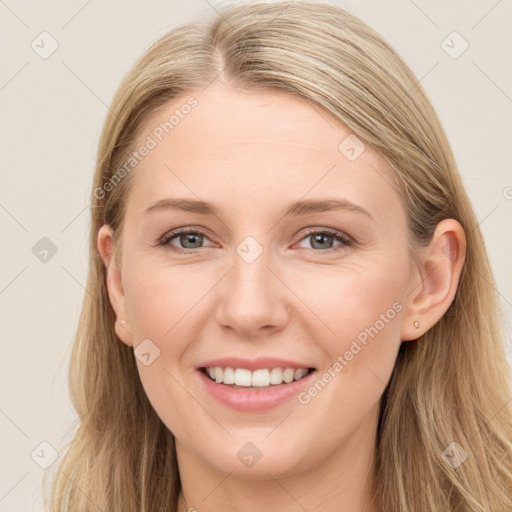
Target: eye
(187,238)
(323,239)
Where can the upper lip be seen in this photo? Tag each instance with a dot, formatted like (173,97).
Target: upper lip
(252,364)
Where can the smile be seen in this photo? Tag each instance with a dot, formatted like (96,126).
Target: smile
(265,377)
(254,390)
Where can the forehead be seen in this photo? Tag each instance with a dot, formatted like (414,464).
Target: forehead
(266,147)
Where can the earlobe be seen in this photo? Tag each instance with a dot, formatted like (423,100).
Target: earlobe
(123,331)
(105,245)
(438,272)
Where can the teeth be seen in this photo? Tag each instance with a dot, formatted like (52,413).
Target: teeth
(228,376)
(257,378)
(242,377)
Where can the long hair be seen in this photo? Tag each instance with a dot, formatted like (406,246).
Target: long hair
(452,385)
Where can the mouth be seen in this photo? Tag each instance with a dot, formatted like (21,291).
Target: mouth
(258,379)
(255,389)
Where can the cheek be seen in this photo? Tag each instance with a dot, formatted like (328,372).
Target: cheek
(160,296)
(350,298)
(163,304)
(358,312)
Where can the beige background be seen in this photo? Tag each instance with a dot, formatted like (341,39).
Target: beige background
(52,113)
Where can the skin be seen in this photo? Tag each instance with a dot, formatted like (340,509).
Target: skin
(251,154)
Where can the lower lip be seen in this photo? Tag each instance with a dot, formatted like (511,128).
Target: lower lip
(254,399)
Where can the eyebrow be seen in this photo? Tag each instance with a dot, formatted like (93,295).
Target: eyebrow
(297,208)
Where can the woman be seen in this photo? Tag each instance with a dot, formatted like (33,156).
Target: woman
(291,306)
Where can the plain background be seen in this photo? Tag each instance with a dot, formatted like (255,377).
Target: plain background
(52,111)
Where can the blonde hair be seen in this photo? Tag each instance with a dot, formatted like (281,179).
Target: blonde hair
(451,385)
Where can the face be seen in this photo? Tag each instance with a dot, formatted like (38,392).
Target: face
(263,282)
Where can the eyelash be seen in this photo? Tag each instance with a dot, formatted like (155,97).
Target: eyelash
(341,237)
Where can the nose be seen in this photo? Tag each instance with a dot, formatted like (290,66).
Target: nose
(253,299)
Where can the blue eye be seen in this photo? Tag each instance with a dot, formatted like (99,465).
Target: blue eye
(191,240)
(187,238)
(319,237)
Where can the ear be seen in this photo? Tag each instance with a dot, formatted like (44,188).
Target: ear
(105,244)
(436,279)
